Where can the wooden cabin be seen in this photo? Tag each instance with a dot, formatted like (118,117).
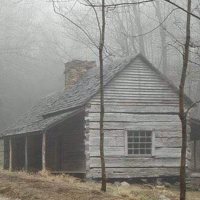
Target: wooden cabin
(142,128)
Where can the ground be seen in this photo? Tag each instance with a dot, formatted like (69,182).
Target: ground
(43,186)
(4,198)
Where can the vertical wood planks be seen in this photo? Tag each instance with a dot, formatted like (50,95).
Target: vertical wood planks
(10,155)
(26,153)
(44,151)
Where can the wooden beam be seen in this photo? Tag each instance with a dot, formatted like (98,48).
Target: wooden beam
(56,154)
(26,153)
(44,151)
(10,155)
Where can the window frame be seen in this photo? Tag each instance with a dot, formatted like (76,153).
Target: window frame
(140,155)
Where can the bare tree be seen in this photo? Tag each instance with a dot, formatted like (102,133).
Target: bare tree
(136,10)
(163,37)
(101,48)
(101,26)
(181,106)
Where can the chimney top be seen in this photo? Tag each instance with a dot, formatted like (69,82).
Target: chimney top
(74,69)
(76,64)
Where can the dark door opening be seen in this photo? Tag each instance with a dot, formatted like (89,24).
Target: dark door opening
(19,155)
(58,153)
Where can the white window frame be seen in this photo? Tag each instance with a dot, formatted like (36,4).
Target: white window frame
(139,155)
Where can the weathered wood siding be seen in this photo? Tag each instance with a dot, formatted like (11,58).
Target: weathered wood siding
(70,150)
(1,153)
(6,154)
(195,147)
(195,156)
(136,99)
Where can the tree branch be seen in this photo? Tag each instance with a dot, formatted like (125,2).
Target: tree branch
(71,21)
(120,4)
(192,106)
(174,4)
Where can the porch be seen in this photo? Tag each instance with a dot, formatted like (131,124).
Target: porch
(60,149)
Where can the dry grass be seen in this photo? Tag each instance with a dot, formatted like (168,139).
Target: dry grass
(45,186)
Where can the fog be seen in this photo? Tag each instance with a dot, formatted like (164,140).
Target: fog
(36,42)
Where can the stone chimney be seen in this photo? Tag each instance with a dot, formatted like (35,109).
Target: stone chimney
(74,69)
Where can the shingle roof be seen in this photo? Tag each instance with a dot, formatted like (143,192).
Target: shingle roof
(63,104)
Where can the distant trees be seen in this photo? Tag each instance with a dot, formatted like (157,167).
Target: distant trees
(28,69)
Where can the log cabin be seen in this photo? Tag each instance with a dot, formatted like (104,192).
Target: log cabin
(141,124)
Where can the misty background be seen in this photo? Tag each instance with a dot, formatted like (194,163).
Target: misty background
(36,42)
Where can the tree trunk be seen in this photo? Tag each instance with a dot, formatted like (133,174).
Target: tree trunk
(181,107)
(101,47)
(162,37)
(139,26)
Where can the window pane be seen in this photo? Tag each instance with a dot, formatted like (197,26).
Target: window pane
(130,146)
(136,139)
(130,151)
(136,146)
(142,134)
(142,139)
(148,139)
(136,133)
(148,151)
(148,134)
(142,151)
(130,139)
(148,145)
(136,151)
(142,146)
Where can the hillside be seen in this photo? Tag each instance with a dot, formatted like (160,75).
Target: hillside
(44,186)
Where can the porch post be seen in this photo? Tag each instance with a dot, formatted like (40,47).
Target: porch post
(44,151)
(26,153)
(10,154)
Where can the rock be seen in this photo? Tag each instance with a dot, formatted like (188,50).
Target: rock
(125,184)
(163,197)
(188,186)
(158,182)
(161,187)
(168,185)
(144,180)
(149,185)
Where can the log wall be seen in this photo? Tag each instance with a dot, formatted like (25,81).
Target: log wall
(1,153)
(6,154)
(136,99)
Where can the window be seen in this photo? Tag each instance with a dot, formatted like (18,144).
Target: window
(139,143)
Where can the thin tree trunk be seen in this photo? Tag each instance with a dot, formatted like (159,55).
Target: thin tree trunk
(181,107)
(101,47)
(162,37)
(139,26)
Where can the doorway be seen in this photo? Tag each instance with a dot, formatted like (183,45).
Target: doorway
(58,153)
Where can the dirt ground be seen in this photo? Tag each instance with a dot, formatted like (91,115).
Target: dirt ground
(29,187)
(43,186)
(4,198)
